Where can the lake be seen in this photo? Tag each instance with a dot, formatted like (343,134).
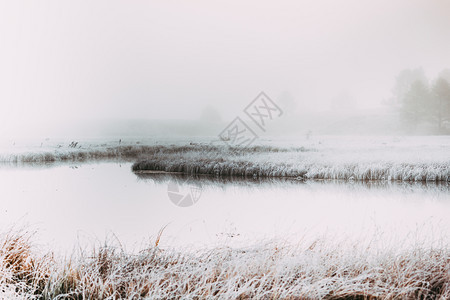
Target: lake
(77,204)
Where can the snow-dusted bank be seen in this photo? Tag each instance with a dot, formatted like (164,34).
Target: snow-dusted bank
(341,161)
(318,269)
(342,158)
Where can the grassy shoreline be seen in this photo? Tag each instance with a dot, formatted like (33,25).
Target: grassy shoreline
(318,269)
(128,152)
(353,163)
(300,163)
(350,171)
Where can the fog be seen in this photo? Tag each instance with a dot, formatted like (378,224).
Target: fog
(71,64)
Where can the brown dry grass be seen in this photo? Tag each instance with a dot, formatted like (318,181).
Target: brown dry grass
(268,271)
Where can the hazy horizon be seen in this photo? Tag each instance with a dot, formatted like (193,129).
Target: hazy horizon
(75,61)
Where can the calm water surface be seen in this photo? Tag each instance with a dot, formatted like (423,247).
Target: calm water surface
(72,204)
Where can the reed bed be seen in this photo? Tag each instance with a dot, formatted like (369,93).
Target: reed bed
(337,162)
(318,269)
(301,165)
(130,152)
(302,170)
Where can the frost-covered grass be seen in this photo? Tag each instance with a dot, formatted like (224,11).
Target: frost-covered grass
(343,158)
(123,152)
(303,169)
(351,163)
(319,269)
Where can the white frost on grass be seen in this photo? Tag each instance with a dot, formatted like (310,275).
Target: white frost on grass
(324,268)
(348,158)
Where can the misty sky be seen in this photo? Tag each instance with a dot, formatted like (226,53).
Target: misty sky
(168,59)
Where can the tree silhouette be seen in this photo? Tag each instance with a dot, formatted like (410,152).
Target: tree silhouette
(439,106)
(420,103)
(414,104)
(404,82)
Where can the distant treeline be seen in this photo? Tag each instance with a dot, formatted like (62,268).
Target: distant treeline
(421,101)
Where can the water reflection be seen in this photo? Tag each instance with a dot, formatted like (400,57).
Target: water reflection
(213,182)
(241,209)
(67,200)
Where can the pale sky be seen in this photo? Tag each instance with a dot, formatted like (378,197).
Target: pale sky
(95,59)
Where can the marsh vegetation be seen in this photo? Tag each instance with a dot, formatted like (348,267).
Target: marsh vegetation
(321,269)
